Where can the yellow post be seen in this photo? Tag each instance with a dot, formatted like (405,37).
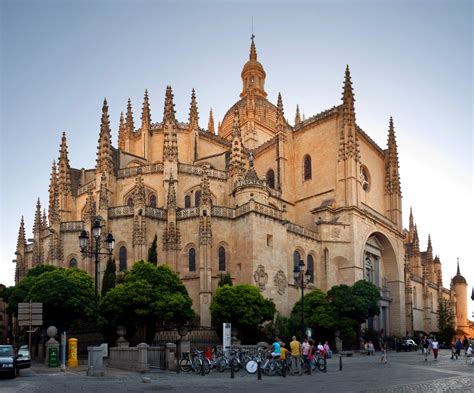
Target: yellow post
(72,352)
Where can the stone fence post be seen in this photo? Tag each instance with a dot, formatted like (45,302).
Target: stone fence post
(143,357)
(170,353)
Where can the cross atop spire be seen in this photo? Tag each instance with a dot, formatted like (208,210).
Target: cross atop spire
(253,49)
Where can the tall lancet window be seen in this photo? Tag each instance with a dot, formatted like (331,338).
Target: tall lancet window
(192,260)
(307,167)
(222,259)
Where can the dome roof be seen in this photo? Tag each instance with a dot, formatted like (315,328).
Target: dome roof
(458,279)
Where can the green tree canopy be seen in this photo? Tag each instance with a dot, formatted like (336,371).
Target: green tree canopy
(66,294)
(225,279)
(445,321)
(242,305)
(149,295)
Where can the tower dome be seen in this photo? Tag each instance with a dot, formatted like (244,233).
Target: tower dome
(458,279)
(253,75)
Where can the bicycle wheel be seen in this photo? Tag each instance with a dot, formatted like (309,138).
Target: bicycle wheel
(251,366)
(185,365)
(207,365)
(322,364)
(221,365)
(196,365)
(235,364)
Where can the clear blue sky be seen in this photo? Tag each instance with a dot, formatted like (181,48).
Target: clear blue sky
(409,59)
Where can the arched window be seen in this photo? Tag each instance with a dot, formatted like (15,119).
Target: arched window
(197,198)
(364,178)
(192,260)
(307,167)
(221,259)
(296,259)
(130,201)
(187,201)
(73,263)
(271,178)
(123,259)
(153,200)
(310,267)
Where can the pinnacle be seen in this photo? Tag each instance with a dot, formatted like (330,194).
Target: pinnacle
(280,106)
(236,123)
(253,50)
(210,125)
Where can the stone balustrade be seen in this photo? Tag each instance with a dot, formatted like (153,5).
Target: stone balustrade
(72,226)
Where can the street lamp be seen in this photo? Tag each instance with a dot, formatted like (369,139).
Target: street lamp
(88,251)
(301,279)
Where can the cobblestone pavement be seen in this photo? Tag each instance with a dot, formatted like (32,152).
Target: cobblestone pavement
(404,373)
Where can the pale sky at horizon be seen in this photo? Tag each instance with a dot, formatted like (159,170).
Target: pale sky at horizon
(409,59)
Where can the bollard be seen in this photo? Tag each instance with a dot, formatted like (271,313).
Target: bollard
(325,366)
(232,376)
(340,362)
(259,371)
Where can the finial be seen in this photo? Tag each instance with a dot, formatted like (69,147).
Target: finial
(253,50)
(458,272)
(297,116)
(210,124)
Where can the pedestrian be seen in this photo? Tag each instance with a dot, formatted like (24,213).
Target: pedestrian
(276,348)
(458,347)
(465,343)
(295,347)
(384,354)
(310,356)
(284,354)
(327,350)
(434,347)
(304,350)
(370,348)
(426,347)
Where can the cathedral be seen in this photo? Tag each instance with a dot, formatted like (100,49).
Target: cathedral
(255,199)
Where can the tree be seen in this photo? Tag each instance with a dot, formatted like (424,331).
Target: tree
(67,294)
(149,295)
(152,254)
(109,280)
(445,321)
(225,280)
(242,305)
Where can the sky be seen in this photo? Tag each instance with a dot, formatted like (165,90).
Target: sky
(409,59)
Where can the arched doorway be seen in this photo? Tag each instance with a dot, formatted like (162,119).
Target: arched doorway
(382,268)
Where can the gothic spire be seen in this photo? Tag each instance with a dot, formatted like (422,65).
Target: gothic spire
(170,143)
(121,133)
(64,177)
(236,166)
(146,115)
(392,176)
(104,148)
(280,118)
(458,273)
(53,195)
(21,242)
(348,144)
(210,124)
(193,112)
(253,50)
(37,224)
(416,241)
(429,250)
(411,224)
(297,117)
(129,126)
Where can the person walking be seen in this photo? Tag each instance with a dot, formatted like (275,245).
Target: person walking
(458,347)
(295,347)
(310,357)
(434,347)
(384,354)
(426,348)
(304,350)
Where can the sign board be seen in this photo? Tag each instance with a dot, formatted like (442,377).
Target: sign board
(30,314)
(105,347)
(226,336)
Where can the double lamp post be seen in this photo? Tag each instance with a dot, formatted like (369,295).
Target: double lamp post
(301,279)
(88,250)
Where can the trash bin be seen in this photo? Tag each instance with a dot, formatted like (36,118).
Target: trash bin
(53,357)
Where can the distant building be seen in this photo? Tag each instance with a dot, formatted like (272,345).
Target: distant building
(251,200)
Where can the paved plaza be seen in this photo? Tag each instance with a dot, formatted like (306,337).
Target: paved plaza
(404,372)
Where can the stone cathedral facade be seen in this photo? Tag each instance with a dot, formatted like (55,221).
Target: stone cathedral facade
(251,200)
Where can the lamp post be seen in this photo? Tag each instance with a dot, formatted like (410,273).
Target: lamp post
(87,250)
(301,279)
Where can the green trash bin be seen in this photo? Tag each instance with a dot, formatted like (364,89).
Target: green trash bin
(53,357)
